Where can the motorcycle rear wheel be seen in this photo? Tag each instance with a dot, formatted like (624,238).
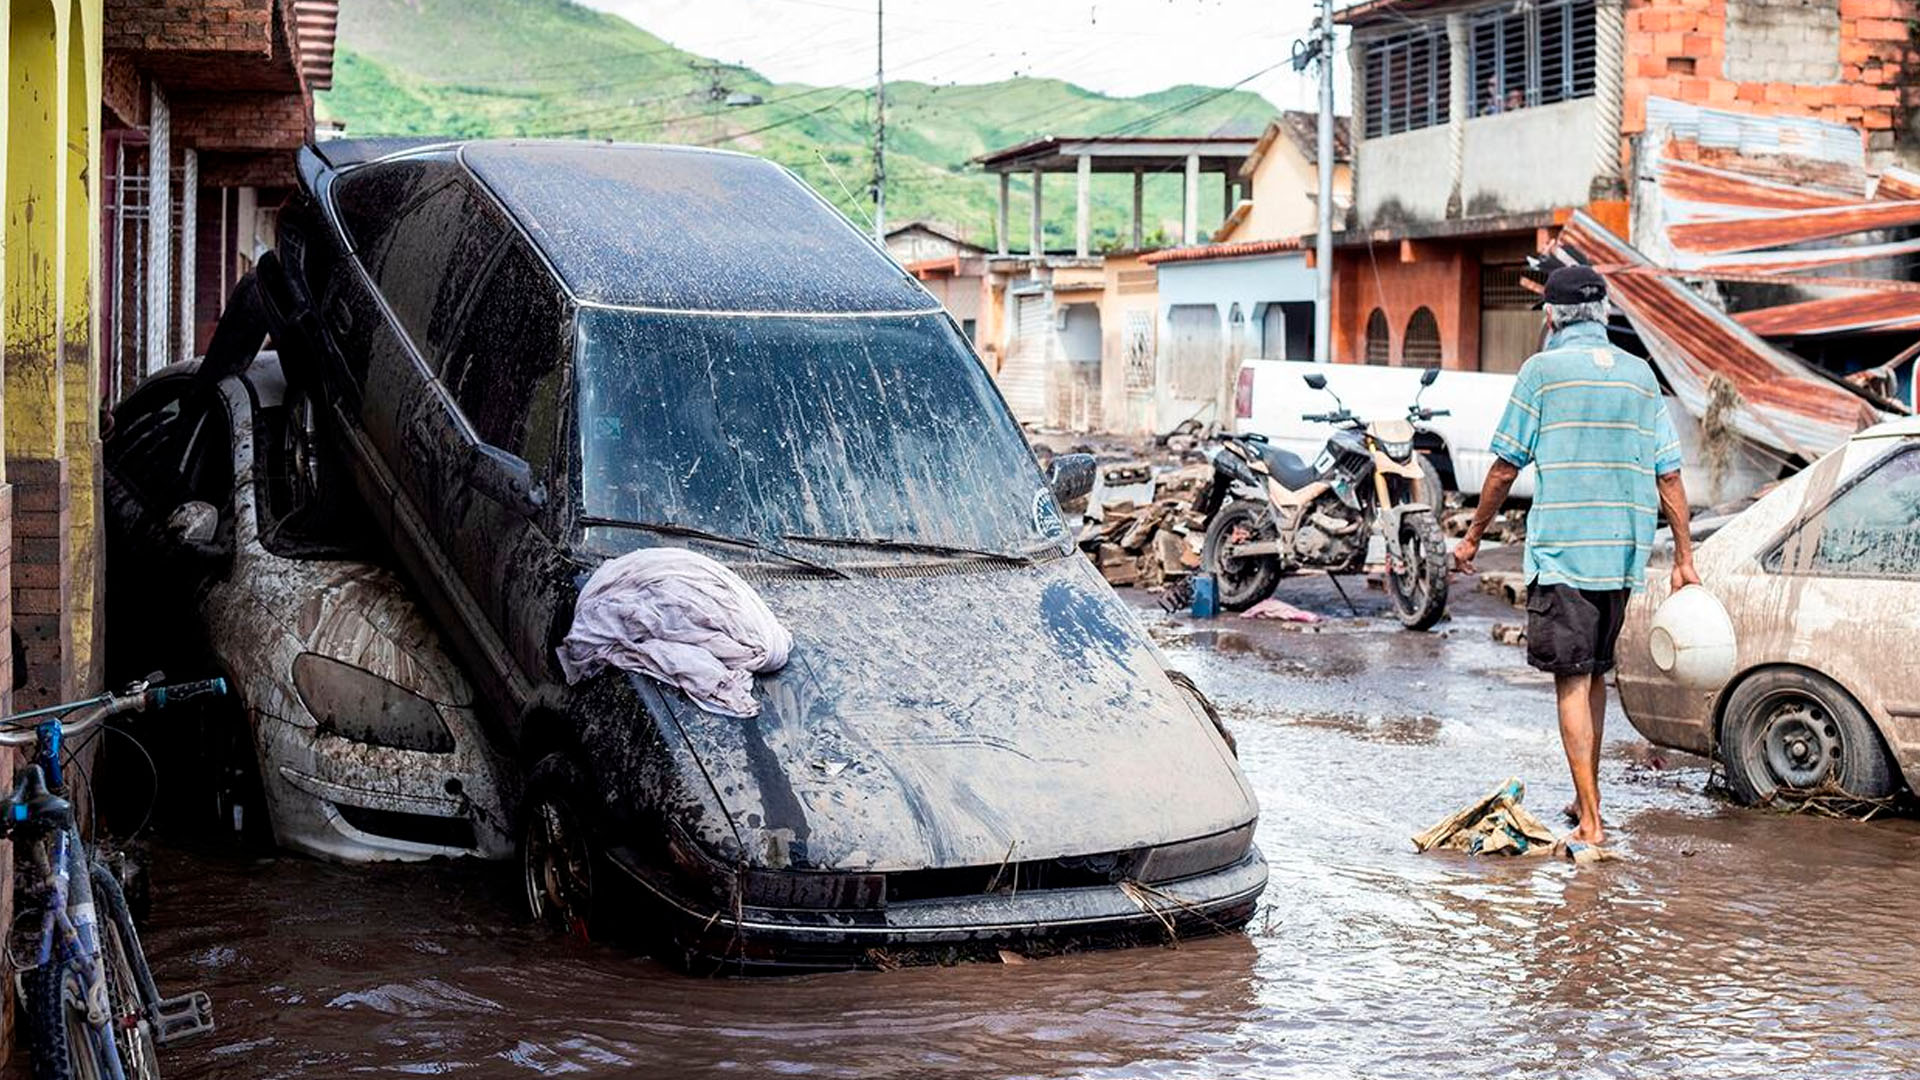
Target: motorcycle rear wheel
(1242,582)
(1418,582)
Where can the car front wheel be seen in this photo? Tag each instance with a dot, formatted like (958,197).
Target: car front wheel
(1790,732)
(556,851)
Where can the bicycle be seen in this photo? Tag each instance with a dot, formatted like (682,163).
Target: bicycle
(89,1005)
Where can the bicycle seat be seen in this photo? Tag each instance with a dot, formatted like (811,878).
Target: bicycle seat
(1286,467)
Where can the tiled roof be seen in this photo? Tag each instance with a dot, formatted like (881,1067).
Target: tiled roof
(1241,250)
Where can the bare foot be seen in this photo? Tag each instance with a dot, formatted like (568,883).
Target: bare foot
(1571,812)
(1584,835)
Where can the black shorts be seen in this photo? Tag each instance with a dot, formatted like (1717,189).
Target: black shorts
(1572,631)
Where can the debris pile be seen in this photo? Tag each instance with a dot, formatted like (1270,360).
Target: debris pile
(1151,543)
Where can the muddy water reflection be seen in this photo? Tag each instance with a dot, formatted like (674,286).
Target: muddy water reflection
(1728,944)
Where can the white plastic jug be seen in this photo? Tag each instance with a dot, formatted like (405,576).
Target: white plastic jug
(1692,639)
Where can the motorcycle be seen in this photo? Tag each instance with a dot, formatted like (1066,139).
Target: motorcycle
(1270,513)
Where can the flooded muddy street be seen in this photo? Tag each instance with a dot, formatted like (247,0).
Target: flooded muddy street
(1726,943)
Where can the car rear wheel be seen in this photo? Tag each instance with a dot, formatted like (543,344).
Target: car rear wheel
(557,856)
(1791,732)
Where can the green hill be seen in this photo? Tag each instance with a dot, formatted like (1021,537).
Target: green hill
(555,68)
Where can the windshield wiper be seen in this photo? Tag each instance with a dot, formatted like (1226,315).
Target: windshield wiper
(925,547)
(743,542)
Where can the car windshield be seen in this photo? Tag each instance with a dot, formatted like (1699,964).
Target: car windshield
(776,427)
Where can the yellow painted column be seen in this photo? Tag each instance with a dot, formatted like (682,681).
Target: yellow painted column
(79,337)
(35,423)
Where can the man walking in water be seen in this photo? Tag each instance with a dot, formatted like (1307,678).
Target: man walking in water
(1589,418)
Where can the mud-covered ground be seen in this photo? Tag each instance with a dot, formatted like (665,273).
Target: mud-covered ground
(1727,943)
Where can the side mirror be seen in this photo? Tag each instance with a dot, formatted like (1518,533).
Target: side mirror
(506,479)
(1071,477)
(1315,380)
(1427,376)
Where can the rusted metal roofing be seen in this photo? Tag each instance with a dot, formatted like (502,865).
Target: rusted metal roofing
(1755,232)
(1222,251)
(1897,184)
(1854,312)
(1784,403)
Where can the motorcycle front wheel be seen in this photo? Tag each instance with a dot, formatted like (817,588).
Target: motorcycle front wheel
(1242,582)
(1417,581)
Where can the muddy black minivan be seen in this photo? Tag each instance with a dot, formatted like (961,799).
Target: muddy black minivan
(535,356)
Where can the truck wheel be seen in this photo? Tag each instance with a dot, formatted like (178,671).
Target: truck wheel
(1243,582)
(1418,581)
(557,853)
(1793,731)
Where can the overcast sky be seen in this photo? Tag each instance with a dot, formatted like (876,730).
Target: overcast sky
(1114,46)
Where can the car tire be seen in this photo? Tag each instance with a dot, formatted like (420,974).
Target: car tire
(558,857)
(1242,582)
(1789,731)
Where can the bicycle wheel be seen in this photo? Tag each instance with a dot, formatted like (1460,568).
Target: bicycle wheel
(60,1044)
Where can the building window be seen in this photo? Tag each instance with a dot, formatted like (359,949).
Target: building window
(1408,81)
(1421,347)
(1379,344)
(1532,54)
(1139,350)
(969,327)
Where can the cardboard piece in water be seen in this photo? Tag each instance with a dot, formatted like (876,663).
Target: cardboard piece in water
(1495,825)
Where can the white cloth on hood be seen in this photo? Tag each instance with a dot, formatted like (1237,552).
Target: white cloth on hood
(679,617)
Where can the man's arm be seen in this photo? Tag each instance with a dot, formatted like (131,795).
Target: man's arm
(1673,504)
(1493,494)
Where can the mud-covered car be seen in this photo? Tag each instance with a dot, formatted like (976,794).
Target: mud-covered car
(1822,579)
(352,734)
(542,355)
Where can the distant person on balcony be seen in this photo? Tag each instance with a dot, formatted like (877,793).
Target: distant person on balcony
(1590,420)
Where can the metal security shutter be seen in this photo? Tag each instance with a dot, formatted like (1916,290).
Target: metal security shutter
(1199,356)
(1023,378)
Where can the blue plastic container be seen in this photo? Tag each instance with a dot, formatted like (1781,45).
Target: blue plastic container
(1206,597)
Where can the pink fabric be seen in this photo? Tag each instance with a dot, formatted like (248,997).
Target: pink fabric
(681,618)
(1279,609)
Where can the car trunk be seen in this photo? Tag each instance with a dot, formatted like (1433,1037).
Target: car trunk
(963,714)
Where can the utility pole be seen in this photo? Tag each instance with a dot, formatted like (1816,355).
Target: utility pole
(880,123)
(1323,242)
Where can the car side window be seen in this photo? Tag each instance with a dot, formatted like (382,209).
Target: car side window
(506,371)
(426,234)
(1871,529)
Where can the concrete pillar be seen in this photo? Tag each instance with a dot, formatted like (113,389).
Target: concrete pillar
(1006,192)
(189,248)
(1036,234)
(35,387)
(80,361)
(1461,95)
(1226,195)
(1609,78)
(1082,206)
(1139,204)
(1357,61)
(159,298)
(1190,234)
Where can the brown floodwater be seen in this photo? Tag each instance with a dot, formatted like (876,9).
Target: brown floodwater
(1726,943)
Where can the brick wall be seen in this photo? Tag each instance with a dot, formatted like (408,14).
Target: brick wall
(1839,60)
(240,121)
(189,25)
(41,612)
(1443,278)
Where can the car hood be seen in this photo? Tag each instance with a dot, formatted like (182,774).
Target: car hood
(963,715)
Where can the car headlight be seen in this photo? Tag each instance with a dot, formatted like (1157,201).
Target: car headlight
(356,704)
(1398,451)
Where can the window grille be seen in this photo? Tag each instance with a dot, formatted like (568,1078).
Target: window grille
(1408,81)
(1379,349)
(1139,350)
(1531,54)
(1422,345)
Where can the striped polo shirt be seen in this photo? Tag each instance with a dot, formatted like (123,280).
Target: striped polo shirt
(1590,419)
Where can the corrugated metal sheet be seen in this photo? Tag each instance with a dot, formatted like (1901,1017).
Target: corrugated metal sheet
(1854,312)
(1897,184)
(1772,229)
(1795,149)
(1786,405)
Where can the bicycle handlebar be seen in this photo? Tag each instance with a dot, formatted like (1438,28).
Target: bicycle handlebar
(18,731)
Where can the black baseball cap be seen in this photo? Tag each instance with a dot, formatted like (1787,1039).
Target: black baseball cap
(1576,284)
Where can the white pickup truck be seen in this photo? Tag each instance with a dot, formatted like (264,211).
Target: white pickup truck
(1270,397)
